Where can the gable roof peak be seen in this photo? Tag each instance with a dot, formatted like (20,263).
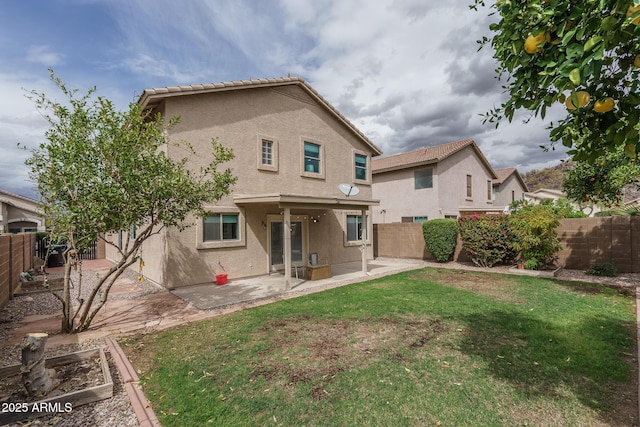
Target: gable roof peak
(152,98)
(426,155)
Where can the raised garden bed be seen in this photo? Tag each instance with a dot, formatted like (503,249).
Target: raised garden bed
(37,286)
(84,378)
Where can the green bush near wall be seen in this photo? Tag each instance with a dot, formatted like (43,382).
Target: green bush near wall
(487,239)
(440,237)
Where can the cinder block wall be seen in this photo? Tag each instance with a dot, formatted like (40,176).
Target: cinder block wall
(585,241)
(399,240)
(16,256)
(17,260)
(5,269)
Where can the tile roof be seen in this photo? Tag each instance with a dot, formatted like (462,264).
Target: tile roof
(153,97)
(505,173)
(425,156)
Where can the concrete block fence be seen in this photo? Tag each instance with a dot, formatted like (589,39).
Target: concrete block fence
(585,241)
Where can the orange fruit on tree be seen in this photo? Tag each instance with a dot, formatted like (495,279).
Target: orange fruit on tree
(583,99)
(636,61)
(532,42)
(630,11)
(604,106)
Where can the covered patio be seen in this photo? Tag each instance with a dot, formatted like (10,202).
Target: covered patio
(210,296)
(286,204)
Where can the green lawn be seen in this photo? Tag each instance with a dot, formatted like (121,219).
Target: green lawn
(421,348)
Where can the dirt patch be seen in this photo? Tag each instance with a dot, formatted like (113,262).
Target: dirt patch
(495,286)
(314,351)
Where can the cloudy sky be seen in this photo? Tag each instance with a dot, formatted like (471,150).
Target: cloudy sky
(405,72)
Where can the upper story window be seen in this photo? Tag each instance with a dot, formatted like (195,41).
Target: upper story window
(267,154)
(469,186)
(489,190)
(423,178)
(361,167)
(312,159)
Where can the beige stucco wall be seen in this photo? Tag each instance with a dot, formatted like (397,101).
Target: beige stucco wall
(240,119)
(19,213)
(509,189)
(398,196)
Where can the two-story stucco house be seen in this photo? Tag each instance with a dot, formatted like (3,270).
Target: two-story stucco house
(292,151)
(508,187)
(444,181)
(19,214)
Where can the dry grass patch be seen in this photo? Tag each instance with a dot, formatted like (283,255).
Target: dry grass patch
(497,286)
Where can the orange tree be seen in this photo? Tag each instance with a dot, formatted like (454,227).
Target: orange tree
(602,181)
(584,55)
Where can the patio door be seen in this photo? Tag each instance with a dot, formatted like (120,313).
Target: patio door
(276,244)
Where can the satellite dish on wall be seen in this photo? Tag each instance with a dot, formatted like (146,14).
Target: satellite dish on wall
(348,189)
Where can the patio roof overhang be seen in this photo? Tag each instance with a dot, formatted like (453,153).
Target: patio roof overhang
(297,201)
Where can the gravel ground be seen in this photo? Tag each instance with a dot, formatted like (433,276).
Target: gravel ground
(117,410)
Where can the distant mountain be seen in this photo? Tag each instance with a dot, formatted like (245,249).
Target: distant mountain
(550,177)
(553,176)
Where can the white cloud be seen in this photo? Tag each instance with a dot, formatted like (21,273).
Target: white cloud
(43,54)
(406,72)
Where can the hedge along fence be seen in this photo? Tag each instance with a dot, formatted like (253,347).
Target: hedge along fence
(585,241)
(16,256)
(405,240)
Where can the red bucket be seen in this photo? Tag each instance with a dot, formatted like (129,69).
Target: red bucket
(221,279)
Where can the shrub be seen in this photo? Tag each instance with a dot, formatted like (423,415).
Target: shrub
(603,269)
(441,236)
(535,232)
(486,239)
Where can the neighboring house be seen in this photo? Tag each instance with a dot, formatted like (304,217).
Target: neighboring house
(292,150)
(508,187)
(547,193)
(19,214)
(444,181)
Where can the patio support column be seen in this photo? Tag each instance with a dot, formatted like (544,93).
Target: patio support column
(286,238)
(363,237)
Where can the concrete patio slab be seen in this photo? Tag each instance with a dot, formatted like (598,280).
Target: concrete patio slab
(210,296)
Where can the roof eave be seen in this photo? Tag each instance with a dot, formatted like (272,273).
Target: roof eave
(151,98)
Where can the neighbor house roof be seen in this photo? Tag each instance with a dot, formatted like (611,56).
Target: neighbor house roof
(429,155)
(151,98)
(503,174)
(19,201)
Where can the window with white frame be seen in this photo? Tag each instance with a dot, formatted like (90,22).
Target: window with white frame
(267,153)
(489,190)
(469,186)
